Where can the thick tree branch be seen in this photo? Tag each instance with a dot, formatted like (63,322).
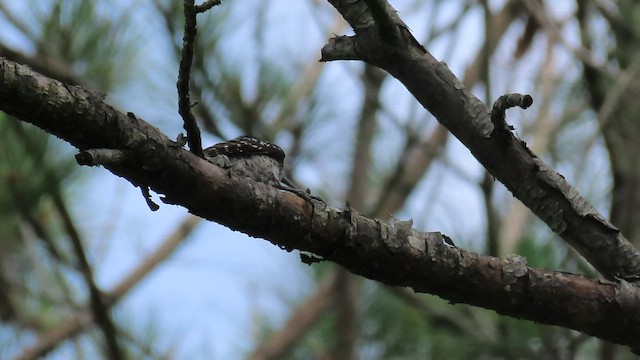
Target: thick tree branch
(392,253)
(508,158)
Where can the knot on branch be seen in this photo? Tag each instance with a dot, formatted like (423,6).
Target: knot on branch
(105,157)
(340,48)
(500,106)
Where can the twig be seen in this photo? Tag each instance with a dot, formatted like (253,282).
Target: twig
(501,105)
(206,5)
(207,117)
(147,198)
(104,157)
(109,157)
(184,102)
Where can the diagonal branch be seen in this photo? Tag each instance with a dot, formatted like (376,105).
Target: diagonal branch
(390,252)
(507,158)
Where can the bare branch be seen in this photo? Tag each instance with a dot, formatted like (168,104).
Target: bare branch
(368,247)
(206,5)
(204,112)
(341,48)
(95,157)
(500,106)
(184,100)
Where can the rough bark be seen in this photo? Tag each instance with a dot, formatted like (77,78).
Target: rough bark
(390,252)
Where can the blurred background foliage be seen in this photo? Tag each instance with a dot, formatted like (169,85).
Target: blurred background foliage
(351,132)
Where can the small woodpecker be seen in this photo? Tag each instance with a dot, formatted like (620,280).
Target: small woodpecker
(256,159)
(250,157)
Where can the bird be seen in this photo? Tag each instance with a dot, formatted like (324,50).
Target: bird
(256,159)
(250,157)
